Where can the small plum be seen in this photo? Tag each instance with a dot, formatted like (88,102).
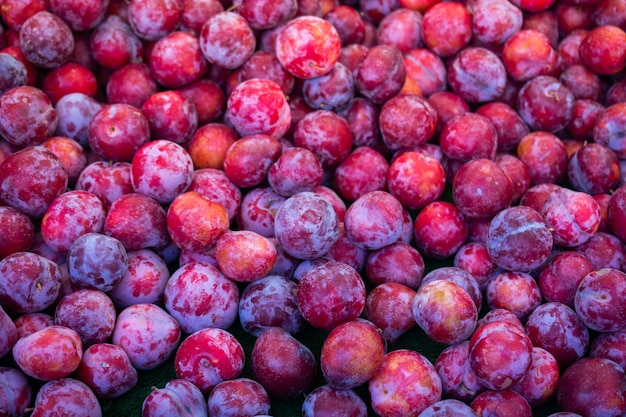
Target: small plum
(66,397)
(405,383)
(284,366)
(51,353)
(148,335)
(351,354)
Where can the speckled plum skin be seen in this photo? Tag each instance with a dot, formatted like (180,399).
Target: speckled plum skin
(518,239)
(351,354)
(270,302)
(97,261)
(19,392)
(593,387)
(208,357)
(244,256)
(194,222)
(17,229)
(389,306)
(445,311)
(107,370)
(198,295)
(517,292)
(418,388)
(258,106)
(448,408)
(462,278)
(178,397)
(144,281)
(284,366)
(557,328)
(539,385)
(9,334)
(240,397)
(31,322)
(66,397)
(88,312)
(108,181)
(506,403)
(500,354)
(331,293)
(60,344)
(398,262)
(137,221)
(30,179)
(572,216)
(162,170)
(258,209)
(332,402)
(29,282)
(308,46)
(69,216)
(559,278)
(374,220)
(600,300)
(610,346)
(148,335)
(439,230)
(306,225)
(28,116)
(458,379)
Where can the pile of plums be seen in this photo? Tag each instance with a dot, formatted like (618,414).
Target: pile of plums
(449,172)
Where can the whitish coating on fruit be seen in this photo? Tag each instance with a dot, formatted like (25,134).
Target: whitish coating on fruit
(557,328)
(308,46)
(517,292)
(107,370)
(374,220)
(198,295)
(59,345)
(31,179)
(406,383)
(238,397)
(162,170)
(227,40)
(69,216)
(500,355)
(258,210)
(97,261)
(306,225)
(90,313)
(258,106)
(28,282)
(600,300)
(448,407)
(333,403)
(208,357)
(147,334)
(518,239)
(458,379)
(331,293)
(270,302)
(27,116)
(445,311)
(67,397)
(144,281)
(177,397)
(573,217)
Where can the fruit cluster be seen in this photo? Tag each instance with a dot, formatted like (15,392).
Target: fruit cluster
(434,191)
